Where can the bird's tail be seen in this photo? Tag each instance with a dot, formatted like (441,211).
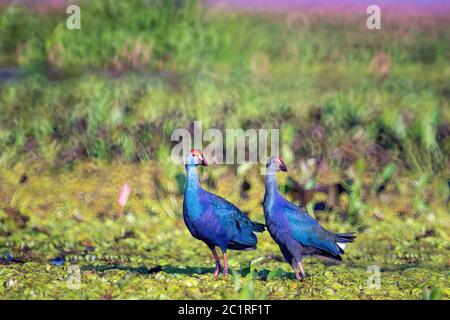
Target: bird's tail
(343,238)
(258,227)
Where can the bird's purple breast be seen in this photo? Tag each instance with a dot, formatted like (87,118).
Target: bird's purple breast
(205,224)
(278,225)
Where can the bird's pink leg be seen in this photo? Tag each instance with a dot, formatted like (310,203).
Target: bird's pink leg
(295,267)
(225,264)
(301,269)
(217,259)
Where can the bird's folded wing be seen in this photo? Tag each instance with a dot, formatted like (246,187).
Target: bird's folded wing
(224,207)
(309,233)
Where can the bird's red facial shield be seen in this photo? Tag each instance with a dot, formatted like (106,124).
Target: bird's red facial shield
(281,165)
(199,155)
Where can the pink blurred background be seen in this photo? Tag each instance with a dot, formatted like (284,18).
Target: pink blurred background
(388,7)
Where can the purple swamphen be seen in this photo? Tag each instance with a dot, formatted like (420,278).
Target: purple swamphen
(214,220)
(297,233)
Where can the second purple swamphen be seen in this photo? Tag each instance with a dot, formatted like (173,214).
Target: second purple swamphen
(214,220)
(297,233)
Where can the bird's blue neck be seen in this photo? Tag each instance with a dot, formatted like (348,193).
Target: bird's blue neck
(191,206)
(191,177)
(271,189)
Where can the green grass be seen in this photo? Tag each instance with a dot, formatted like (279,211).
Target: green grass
(119,257)
(95,108)
(111,89)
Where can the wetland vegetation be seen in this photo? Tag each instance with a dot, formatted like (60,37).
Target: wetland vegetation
(84,111)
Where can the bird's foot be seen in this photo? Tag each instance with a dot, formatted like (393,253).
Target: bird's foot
(225,272)
(300,278)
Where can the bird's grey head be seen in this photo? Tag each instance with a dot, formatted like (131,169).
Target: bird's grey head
(196,158)
(275,164)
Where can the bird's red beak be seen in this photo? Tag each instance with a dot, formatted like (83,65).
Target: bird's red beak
(200,156)
(204,162)
(282,166)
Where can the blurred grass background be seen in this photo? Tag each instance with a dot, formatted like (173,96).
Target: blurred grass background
(82,111)
(118,87)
